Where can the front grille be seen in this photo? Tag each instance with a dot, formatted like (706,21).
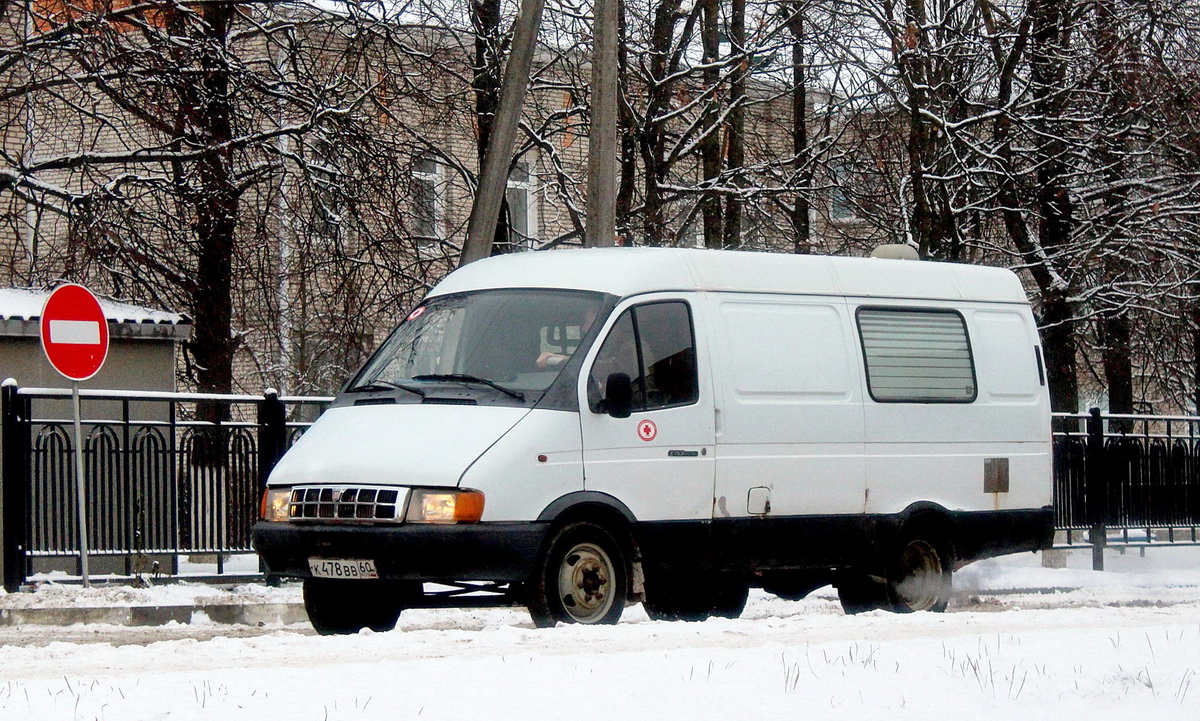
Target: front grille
(349,504)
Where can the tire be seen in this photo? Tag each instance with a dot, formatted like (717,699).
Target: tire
(860,593)
(794,586)
(583,577)
(337,607)
(693,596)
(669,605)
(729,599)
(920,574)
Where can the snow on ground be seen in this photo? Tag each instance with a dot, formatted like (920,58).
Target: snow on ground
(56,595)
(1022,642)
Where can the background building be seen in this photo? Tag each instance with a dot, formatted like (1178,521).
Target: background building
(295,176)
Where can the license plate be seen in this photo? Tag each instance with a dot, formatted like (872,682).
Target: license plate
(342,568)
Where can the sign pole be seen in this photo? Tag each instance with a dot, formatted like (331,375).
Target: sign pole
(80,491)
(74,332)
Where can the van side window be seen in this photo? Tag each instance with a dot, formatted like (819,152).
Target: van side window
(917,355)
(654,345)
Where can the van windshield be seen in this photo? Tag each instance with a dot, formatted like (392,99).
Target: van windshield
(515,342)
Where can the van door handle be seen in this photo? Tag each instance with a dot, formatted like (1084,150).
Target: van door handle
(682,454)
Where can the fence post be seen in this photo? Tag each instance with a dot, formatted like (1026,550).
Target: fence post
(15,485)
(272,442)
(272,434)
(1097,487)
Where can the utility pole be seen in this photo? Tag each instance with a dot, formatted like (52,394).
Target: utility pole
(602,138)
(493,177)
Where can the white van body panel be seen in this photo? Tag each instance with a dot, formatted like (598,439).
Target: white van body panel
(953,476)
(669,476)
(791,411)
(597,269)
(405,445)
(626,272)
(942,448)
(516,483)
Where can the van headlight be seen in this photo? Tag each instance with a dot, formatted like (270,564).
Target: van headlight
(437,505)
(275,504)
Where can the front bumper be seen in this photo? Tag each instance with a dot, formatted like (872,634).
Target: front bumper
(500,552)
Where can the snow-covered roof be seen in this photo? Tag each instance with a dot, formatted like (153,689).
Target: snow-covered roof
(631,271)
(21,309)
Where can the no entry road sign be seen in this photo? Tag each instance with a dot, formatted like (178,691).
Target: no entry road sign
(74,332)
(75,340)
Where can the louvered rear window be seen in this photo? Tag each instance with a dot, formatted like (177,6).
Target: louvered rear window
(917,356)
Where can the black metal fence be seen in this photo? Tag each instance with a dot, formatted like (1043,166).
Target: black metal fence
(170,475)
(167,476)
(1127,480)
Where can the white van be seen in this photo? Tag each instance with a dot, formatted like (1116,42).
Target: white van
(575,430)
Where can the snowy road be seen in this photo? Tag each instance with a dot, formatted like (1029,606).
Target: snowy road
(1120,647)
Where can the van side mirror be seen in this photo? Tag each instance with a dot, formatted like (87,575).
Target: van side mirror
(618,395)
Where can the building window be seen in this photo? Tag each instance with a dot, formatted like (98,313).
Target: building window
(328,199)
(522,211)
(841,206)
(427,199)
(917,355)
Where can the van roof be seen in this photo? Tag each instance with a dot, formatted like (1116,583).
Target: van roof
(633,271)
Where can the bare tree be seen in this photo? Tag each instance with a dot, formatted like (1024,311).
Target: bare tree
(147,127)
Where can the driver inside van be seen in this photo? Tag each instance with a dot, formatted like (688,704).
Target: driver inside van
(550,359)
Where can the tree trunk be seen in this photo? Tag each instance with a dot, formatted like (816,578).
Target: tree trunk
(802,163)
(487,82)
(205,118)
(487,78)
(913,61)
(629,139)
(602,137)
(1050,40)
(1117,335)
(653,137)
(1058,339)
(737,122)
(1196,355)
(710,145)
(1115,86)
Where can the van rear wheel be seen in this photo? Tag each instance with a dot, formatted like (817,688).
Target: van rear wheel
(340,607)
(582,578)
(920,578)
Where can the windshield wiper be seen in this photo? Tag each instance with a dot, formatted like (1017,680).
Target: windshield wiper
(382,385)
(465,378)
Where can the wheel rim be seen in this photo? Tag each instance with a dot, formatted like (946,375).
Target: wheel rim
(585,583)
(921,584)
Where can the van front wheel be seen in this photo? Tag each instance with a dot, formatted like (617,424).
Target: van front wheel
(581,578)
(337,607)
(695,596)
